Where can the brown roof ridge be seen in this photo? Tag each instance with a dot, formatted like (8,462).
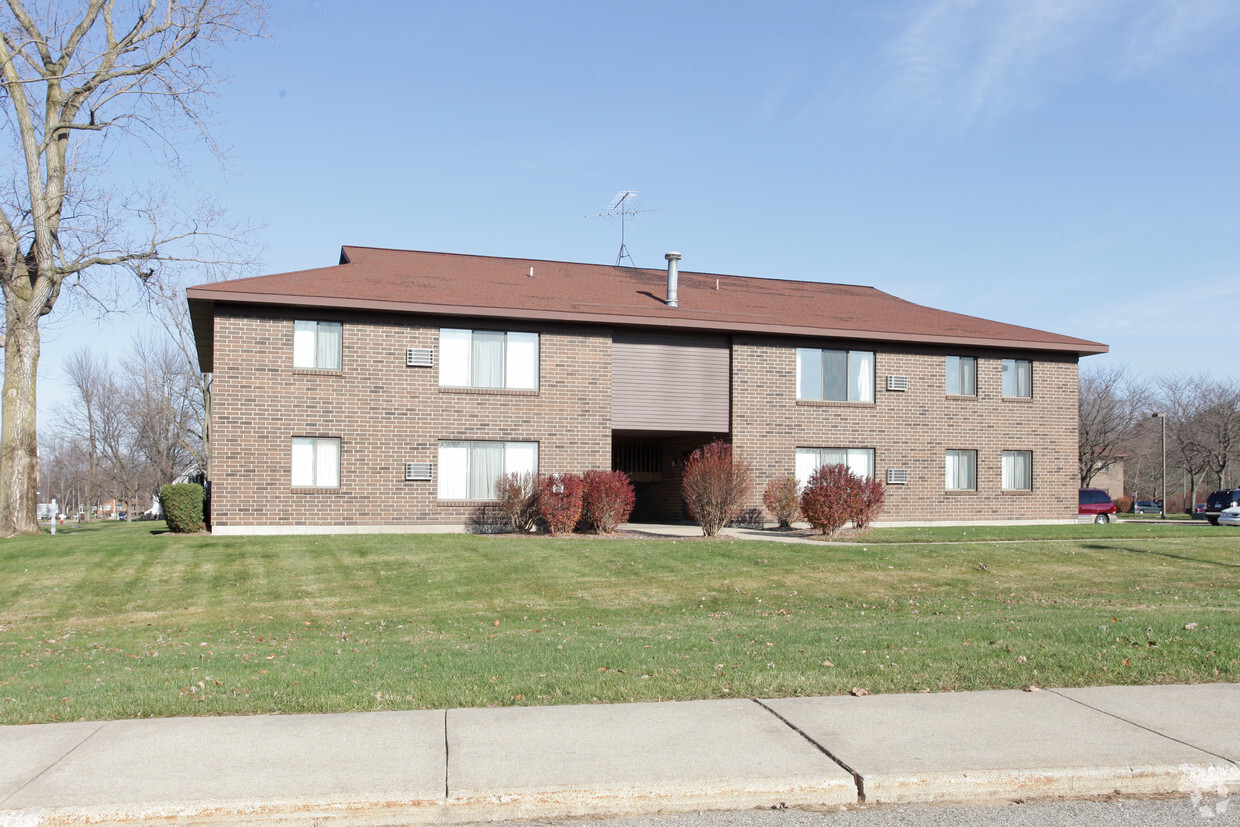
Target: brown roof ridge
(644,270)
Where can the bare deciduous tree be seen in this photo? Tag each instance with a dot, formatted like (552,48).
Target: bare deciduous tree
(74,77)
(162,409)
(1180,398)
(1111,401)
(1218,422)
(79,421)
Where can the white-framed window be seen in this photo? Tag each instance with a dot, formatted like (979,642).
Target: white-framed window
(1018,378)
(488,359)
(316,345)
(1017,470)
(961,471)
(961,376)
(859,460)
(316,462)
(839,375)
(469,470)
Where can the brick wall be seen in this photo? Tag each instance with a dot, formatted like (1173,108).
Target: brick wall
(913,429)
(385,415)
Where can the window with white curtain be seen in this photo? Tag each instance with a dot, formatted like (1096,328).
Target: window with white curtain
(961,471)
(316,462)
(488,359)
(961,376)
(838,375)
(469,470)
(859,460)
(316,345)
(1017,470)
(1018,378)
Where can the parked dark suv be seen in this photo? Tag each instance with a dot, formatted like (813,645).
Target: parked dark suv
(1219,500)
(1095,505)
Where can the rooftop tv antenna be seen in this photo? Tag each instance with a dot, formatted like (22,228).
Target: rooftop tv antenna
(622,206)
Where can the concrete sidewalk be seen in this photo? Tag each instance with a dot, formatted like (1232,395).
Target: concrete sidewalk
(461,765)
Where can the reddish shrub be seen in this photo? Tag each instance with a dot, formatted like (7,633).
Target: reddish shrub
(830,498)
(716,486)
(1124,504)
(607,500)
(518,497)
(559,502)
(780,498)
(871,495)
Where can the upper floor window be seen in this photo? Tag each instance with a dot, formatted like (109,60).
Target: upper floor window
(1018,378)
(860,461)
(488,359)
(961,376)
(839,375)
(316,345)
(316,462)
(961,471)
(1017,470)
(469,470)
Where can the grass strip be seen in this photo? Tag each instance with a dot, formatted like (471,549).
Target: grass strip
(112,621)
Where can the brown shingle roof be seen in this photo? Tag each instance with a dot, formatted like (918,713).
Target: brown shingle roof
(445,283)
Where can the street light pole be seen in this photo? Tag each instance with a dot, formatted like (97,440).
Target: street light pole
(1163,416)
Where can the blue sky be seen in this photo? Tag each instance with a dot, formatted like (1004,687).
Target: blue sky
(1070,166)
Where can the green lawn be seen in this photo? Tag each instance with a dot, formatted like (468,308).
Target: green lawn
(120,621)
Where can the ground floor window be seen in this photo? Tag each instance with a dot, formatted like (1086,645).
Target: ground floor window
(316,462)
(961,471)
(469,470)
(1017,470)
(859,460)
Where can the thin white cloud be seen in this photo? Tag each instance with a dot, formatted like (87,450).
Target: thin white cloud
(965,62)
(1170,30)
(1178,313)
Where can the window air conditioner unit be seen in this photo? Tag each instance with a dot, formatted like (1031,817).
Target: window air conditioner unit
(419,357)
(418,470)
(897,383)
(897,476)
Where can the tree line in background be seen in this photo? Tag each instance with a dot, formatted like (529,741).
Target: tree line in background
(1121,421)
(129,428)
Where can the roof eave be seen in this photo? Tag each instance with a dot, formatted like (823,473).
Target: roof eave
(207,296)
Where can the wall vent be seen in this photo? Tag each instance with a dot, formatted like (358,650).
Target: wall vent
(419,357)
(418,470)
(897,476)
(897,383)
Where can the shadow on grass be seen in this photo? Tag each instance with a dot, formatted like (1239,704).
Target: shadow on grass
(1167,554)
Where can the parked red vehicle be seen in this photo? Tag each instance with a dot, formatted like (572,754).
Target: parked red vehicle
(1095,506)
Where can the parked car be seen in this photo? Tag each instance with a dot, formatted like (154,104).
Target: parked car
(1095,506)
(1146,507)
(1229,516)
(1199,511)
(1220,500)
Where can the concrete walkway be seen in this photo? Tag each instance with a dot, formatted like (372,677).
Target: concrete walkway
(462,765)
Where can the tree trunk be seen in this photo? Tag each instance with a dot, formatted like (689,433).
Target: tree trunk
(19,444)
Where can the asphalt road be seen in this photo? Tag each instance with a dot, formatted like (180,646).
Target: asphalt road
(1206,811)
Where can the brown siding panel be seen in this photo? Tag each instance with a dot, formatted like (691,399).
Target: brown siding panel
(666,382)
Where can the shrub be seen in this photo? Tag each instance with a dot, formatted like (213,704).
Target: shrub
(559,502)
(518,497)
(182,506)
(715,485)
(1124,505)
(830,498)
(780,498)
(607,500)
(871,495)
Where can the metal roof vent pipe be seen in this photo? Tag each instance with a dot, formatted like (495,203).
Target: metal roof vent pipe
(672,278)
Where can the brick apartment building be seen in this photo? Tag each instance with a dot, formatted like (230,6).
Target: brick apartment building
(388,392)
